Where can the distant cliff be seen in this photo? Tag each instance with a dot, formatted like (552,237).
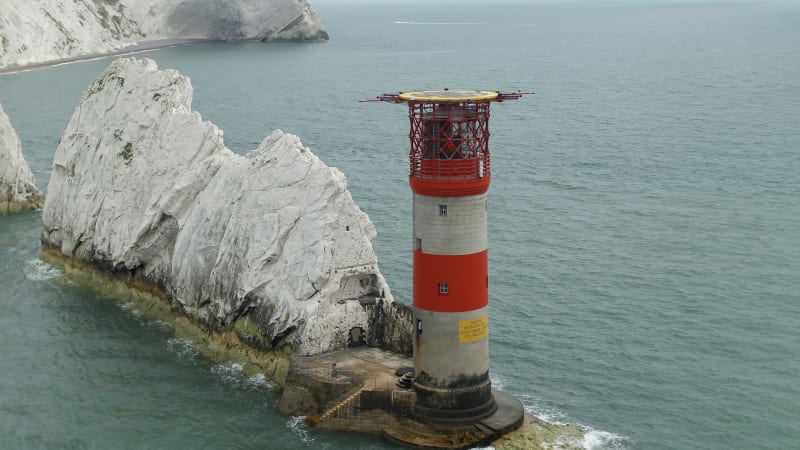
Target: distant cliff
(41,31)
(270,245)
(17,188)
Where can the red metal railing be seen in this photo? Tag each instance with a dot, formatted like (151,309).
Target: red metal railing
(449,141)
(449,135)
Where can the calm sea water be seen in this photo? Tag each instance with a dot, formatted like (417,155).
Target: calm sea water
(644,223)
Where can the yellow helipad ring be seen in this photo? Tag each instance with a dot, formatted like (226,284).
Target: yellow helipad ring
(456,95)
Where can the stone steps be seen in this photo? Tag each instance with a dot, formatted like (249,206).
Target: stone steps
(343,409)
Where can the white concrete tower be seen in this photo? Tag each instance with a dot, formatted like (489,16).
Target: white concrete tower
(449,175)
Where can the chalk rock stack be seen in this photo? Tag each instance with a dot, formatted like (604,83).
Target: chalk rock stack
(17,186)
(41,31)
(271,241)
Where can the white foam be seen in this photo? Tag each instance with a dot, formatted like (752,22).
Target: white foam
(129,308)
(259,381)
(547,413)
(298,426)
(184,348)
(38,270)
(592,439)
(498,382)
(230,373)
(602,440)
(159,325)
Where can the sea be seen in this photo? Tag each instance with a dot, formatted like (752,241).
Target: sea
(644,222)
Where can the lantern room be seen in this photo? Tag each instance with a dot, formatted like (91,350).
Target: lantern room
(449,137)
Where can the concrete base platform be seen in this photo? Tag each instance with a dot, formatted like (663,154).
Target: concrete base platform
(355,390)
(509,416)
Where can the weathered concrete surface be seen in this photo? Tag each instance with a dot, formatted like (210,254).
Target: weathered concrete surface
(33,32)
(269,246)
(355,390)
(316,383)
(18,190)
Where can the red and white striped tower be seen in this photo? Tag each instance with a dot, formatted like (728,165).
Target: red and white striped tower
(449,175)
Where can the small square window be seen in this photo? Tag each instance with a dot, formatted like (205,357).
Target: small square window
(443,289)
(442,210)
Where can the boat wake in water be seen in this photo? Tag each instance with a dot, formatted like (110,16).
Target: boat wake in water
(401,22)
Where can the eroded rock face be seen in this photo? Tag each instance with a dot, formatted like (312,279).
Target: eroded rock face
(269,244)
(17,186)
(39,31)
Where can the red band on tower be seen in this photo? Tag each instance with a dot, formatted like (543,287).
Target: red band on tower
(465,278)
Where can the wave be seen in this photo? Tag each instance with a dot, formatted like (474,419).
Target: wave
(129,307)
(592,439)
(597,440)
(259,380)
(184,348)
(297,424)
(233,374)
(38,270)
(230,373)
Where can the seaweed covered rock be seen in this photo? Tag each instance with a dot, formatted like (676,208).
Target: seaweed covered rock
(269,245)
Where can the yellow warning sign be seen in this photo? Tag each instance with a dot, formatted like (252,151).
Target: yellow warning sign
(473,330)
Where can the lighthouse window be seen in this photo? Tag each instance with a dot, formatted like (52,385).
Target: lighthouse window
(442,210)
(443,289)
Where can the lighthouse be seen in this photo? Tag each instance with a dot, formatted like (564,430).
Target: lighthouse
(449,175)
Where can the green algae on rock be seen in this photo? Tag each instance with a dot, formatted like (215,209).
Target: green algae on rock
(536,434)
(214,345)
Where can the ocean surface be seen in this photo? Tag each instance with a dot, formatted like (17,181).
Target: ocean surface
(644,223)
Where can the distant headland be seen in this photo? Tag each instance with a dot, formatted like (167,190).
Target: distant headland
(33,34)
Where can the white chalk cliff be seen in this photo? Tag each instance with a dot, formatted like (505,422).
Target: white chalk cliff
(142,186)
(40,31)
(17,186)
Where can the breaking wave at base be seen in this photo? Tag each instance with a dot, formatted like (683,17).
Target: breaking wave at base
(130,308)
(183,348)
(230,373)
(297,425)
(260,380)
(595,440)
(592,439)
(543,411)
(38,270)
(233,374)
(159,324)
